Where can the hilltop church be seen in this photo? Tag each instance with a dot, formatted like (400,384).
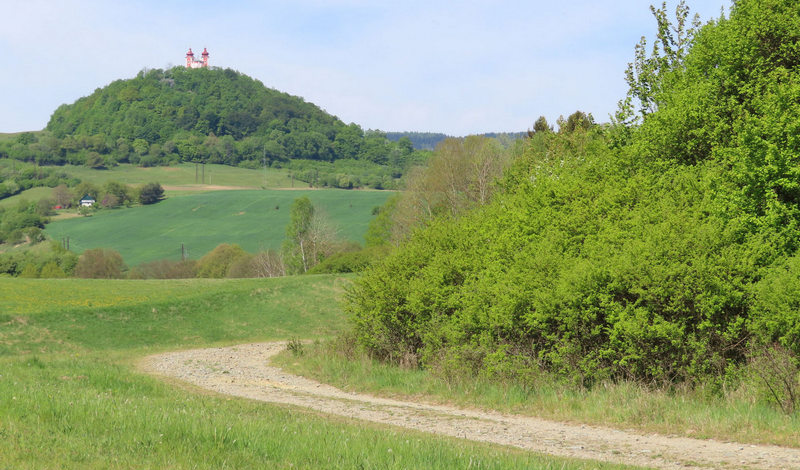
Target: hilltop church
(196,64)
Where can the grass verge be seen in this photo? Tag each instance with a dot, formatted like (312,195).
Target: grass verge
(698,413)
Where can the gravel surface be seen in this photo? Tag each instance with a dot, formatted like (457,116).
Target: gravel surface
(244,371)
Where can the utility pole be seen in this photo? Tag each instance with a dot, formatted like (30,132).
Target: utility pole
(183,252)
(264,161)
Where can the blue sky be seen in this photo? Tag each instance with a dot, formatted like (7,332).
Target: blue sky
(457,67)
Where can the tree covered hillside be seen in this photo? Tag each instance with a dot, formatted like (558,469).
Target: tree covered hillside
(661,249)
(203,115)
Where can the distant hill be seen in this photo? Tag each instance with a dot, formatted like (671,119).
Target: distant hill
(197,115)
(429,140)
(158,105)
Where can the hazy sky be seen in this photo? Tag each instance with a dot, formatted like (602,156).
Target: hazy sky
(457,67)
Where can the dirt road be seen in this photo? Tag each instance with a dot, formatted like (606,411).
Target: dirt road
(244,371)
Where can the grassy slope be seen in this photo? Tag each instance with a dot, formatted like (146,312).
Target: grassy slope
(202,221)
(70,396)
(33,194)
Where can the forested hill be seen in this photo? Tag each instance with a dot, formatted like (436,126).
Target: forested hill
(156,105)
(207,115)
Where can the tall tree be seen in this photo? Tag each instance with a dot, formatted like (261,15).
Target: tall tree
(309,237)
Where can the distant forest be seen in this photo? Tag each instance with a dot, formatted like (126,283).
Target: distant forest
(429,140)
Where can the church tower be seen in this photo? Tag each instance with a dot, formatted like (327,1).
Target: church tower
(196,64)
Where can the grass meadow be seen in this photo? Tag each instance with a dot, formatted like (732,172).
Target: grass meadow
(72,398)
(729,416)
(255,219)
(33,194)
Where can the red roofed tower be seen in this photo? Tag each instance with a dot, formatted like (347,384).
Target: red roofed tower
(196,64)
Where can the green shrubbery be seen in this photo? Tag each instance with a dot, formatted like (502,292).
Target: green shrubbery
(657,252)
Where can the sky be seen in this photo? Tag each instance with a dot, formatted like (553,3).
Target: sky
(458,67)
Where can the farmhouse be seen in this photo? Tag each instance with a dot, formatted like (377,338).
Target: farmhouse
(87,201)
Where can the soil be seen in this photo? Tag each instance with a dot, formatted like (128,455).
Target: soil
(244,371)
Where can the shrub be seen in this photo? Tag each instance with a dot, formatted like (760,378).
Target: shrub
(165,269)
(349,261)
(100,263)
(151,193)
(218,262)
(243,267)
(52,270)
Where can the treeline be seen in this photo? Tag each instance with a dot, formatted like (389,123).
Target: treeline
(661,249)
(15,178)
(23,222)
(429,140)
(163,117)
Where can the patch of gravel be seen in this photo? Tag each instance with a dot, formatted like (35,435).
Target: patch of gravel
(244,371)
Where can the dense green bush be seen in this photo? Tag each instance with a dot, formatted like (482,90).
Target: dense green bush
(218,262)
(349,261)
(100,263)
(151,193)
(654,253)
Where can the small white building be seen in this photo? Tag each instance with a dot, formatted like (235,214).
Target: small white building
(87,201)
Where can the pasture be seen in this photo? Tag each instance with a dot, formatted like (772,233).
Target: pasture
(71,396)
(255,219)
(29,195)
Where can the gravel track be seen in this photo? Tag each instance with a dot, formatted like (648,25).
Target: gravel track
(244,371)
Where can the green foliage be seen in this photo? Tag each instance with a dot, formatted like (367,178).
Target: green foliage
(575,121)
(655,258)
(218,262)
(22,222)
(16,177)
(100,263)
(540,125)
(309,237)
(776,305)
(151,193)
(51,270)
(379,231)
(48,260)
(165,269)
(350,261)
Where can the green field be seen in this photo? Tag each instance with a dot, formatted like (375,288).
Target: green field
(30,195)
(254,219)
(71,396)
(187,174)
